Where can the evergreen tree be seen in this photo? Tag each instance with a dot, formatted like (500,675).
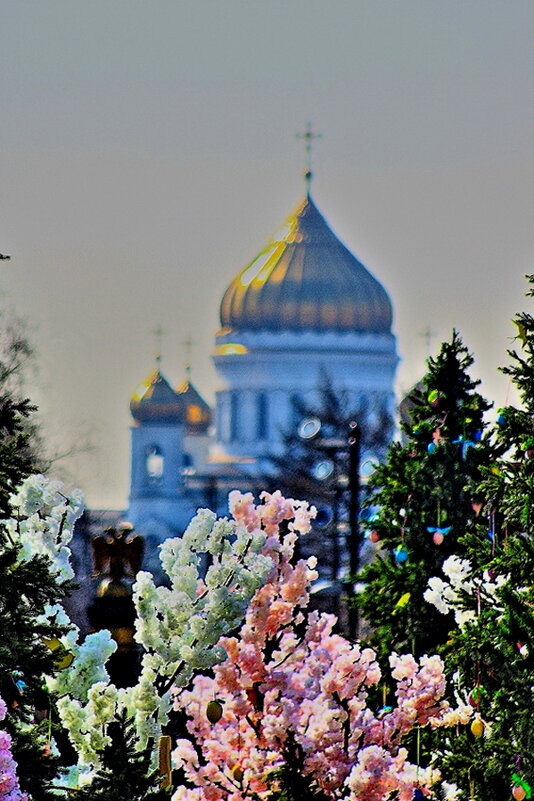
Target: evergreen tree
(290,782)
(422,500)
(125,772)
(491,652)
(25,587)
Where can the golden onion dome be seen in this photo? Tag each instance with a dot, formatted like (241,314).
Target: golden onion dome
(305,278)
(197,411)
(156,401)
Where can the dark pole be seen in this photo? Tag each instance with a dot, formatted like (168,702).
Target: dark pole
(354,515)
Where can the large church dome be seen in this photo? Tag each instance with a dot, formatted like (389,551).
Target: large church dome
(306,279)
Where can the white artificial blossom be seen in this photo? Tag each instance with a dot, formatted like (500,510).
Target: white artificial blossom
(464,590)
(214,569)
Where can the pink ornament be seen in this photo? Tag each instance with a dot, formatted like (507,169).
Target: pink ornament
(518,792)
(437,537)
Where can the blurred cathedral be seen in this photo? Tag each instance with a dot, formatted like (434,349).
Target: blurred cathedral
(303,311)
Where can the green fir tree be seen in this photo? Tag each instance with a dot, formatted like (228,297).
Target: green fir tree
(125,774)
(25,586)
(422,500)
(493,654)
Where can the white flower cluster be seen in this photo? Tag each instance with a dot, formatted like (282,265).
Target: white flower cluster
(44,516)
(463,591)
(88,666)
(179,626)
(214,571)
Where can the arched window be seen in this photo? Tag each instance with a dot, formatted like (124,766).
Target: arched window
(154,463)
(188,465)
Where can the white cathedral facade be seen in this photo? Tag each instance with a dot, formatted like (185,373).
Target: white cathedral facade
(305,310)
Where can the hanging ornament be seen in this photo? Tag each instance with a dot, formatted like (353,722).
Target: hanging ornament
(436,436)
(434,398)
(476,506)
(374,536)
(438,534)
(403,600)
(385,710)
(431,447)
(465,443)
(475,696)
(401,554)
(501,417)
(238,773)
(477,727)
(520,788)
(523,649)
(62,658)
(214,711)
(418,795)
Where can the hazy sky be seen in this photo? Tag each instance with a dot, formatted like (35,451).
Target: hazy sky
(148,151)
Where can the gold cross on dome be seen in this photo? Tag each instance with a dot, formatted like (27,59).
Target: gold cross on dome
(159,333)
(307,137)
(428,335)
(188,348)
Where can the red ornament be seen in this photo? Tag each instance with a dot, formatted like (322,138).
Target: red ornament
(374,536)
(518,792)
(476,507)
(437,537)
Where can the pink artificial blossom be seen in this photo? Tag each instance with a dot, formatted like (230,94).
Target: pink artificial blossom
(9,783)
(289,681)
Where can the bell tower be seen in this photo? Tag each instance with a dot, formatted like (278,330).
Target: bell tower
(156,504)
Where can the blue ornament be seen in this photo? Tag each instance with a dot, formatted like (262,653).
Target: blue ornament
(401,554)
(431,447)
(418,794)
(501,418)
(477,436)
(384,711)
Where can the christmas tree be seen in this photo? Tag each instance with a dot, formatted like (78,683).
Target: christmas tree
(125,771)
(422,500)
(491,593)
(26,585)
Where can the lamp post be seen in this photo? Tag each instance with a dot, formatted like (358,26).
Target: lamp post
(354,442)
(347,486)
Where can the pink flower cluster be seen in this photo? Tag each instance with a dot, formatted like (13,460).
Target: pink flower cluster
(9,783)
(286,674)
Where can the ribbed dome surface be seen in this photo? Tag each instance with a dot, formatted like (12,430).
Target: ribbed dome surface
(305,278)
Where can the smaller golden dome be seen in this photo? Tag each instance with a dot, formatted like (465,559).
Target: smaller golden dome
(197,411)
(156,401)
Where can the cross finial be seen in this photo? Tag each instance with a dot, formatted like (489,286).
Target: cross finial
(159,333)
(308,136)
(188,347)
(428,335)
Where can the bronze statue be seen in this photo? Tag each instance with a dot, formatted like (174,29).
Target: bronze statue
(117,554)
